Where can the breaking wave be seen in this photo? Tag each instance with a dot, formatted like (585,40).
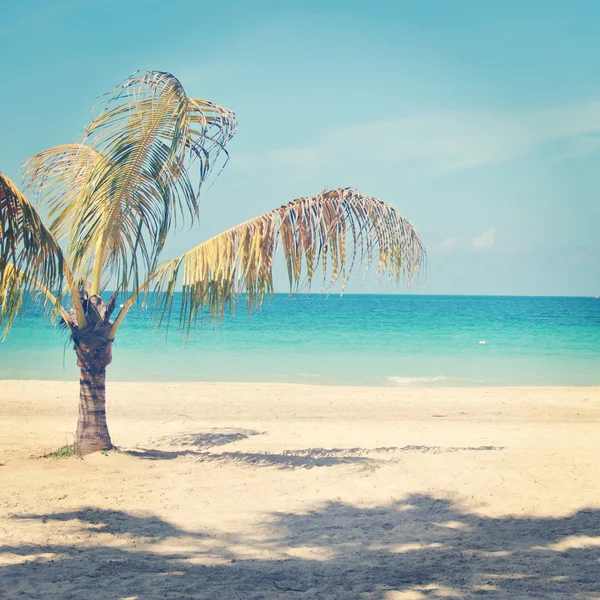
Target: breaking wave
(409,380)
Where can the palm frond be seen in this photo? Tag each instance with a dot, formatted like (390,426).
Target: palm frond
(129,184)
(30,257)
(336,229)
(62,177)
(149,131)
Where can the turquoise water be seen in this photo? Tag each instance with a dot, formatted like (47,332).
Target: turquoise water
(355,339)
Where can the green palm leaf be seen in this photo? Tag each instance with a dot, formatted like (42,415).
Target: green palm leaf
(120,193)
(30,257)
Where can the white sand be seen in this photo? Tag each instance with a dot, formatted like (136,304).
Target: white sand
(280,491)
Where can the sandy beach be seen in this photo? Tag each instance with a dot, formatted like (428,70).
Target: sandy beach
(286,491)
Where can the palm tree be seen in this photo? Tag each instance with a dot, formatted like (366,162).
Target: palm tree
(111,201)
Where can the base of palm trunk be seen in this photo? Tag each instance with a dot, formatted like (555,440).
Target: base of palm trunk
(92,430)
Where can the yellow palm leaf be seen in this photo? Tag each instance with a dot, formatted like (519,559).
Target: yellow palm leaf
(309,231)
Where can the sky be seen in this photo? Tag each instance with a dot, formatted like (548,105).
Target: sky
(479,120)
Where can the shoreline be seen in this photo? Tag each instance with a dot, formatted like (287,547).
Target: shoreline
(419,386)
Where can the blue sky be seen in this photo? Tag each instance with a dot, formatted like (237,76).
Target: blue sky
(479,120)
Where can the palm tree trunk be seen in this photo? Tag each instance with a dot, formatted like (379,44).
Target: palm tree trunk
(94,354)
(92,430)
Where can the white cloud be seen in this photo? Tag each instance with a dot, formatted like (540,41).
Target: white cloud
(436,142)
(485,240)
(448,244)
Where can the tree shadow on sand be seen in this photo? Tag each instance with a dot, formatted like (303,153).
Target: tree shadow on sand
(288,459)
(198,447)
(430,546)
(209,439)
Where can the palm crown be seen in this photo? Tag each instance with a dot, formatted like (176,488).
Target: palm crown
(112,200)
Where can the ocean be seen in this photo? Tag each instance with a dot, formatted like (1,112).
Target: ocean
(381,340)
